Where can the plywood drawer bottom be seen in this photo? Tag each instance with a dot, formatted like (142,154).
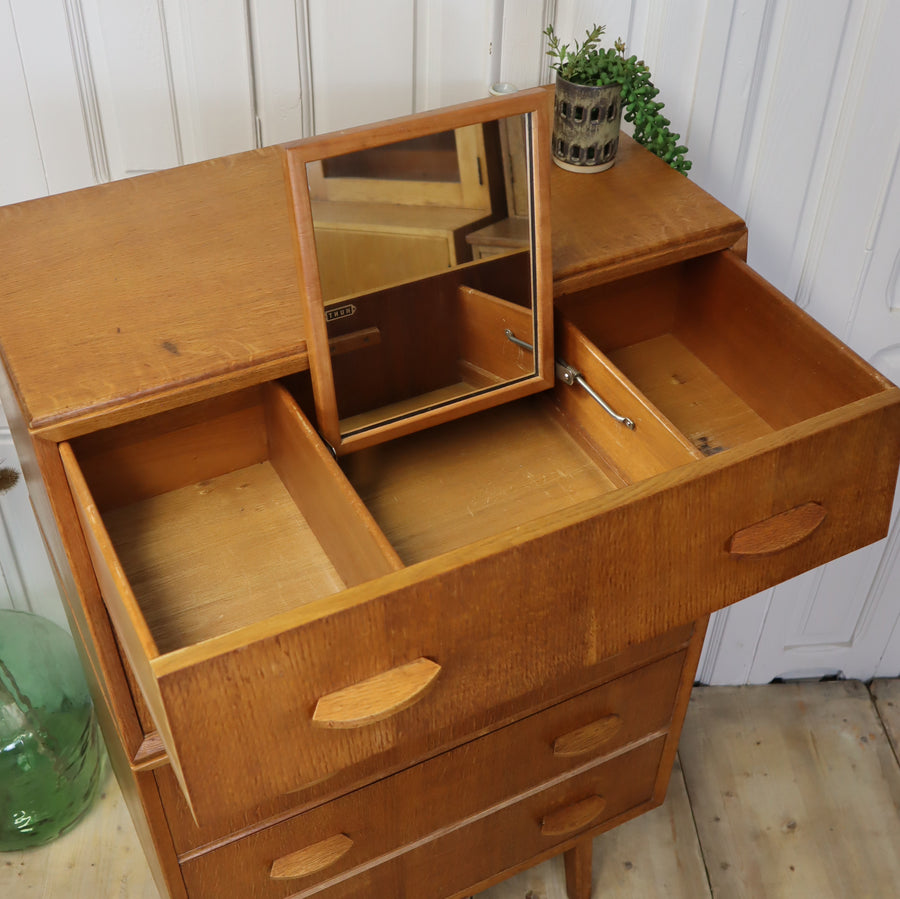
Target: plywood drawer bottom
(369,827)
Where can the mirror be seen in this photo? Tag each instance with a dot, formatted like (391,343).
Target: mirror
(424,258)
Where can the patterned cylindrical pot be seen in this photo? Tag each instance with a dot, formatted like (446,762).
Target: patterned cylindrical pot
(586,122)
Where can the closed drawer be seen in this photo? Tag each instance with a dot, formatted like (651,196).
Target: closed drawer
(433,829)
(628,708)
(355,622)
(476,775)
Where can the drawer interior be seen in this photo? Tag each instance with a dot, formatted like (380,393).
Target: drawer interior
(231,511)
(228,512)
(225,513)
(427,342)
(718,351)
(448,486)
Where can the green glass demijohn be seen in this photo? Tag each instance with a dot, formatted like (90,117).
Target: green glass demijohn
(51,757)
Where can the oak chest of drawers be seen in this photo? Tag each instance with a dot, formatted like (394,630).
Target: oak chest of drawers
(415,669)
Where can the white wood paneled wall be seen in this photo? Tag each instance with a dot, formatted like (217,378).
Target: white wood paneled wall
(26,578)
(787,107)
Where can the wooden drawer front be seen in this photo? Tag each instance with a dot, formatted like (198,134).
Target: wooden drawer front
(535,749)
(622,681)
(383,842)
(509,631)
(383,666)
(348,686)
(506,632)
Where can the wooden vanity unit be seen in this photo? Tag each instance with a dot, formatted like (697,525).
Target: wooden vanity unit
(420,655)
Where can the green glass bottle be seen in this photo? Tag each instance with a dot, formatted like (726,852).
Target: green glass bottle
(51,756)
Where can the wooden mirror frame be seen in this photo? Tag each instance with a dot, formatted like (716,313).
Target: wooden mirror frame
(532,103)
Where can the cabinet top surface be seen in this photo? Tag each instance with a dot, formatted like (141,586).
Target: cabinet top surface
(135,296)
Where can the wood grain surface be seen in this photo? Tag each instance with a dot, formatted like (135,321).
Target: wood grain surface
(812,785)
(377,697)
(794,789)
(656,856)
(182,284)
(180,277)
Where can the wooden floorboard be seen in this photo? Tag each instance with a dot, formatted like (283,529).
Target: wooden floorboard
(100,858)
(788,790)
(886,694)
(795,791)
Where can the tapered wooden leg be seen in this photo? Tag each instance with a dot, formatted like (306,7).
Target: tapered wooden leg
(578,870)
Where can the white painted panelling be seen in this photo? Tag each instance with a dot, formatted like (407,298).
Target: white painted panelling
(788,109)
(672,51)
(887,585)
(523,59)
(457,50)
(798,122)
(362,61)
(826,283)
(45,45)
(174,80)
(812,620)
(575,17)
(727,92)
(846,610)
(278,63)
(863,585)
(731,641)
(21,171)
(212,77)
(26,579)
(129,58)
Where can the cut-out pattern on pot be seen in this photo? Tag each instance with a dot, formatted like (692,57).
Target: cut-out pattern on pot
(586,122)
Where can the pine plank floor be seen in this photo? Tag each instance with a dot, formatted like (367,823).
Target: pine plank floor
(786,790)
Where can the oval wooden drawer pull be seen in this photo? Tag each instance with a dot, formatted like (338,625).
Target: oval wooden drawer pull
(778,532)
(311,859)
(572,817)
(376,697)
(588,738)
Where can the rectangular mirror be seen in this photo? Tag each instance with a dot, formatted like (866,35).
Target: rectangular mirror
(424,259)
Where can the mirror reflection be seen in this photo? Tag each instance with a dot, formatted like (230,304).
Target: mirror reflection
(425,261)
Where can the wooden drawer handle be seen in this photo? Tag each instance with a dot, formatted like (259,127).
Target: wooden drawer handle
(572,817)
(311,859)
(778,532)
(588,738)
(376,697)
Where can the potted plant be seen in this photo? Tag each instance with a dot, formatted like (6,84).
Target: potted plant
(593,87)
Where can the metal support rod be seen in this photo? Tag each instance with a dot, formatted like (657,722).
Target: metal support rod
(518,342)
(570,376)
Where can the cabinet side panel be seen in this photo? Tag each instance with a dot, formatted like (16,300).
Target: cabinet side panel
(94,641)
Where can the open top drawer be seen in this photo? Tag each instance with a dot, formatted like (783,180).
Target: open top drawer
(719,352)
(362,620)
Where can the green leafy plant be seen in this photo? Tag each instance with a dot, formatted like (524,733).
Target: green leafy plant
(589,63)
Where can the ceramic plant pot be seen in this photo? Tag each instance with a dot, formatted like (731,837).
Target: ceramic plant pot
(586,123)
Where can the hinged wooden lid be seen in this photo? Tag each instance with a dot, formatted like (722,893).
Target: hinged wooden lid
(133,297)
(116,296)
